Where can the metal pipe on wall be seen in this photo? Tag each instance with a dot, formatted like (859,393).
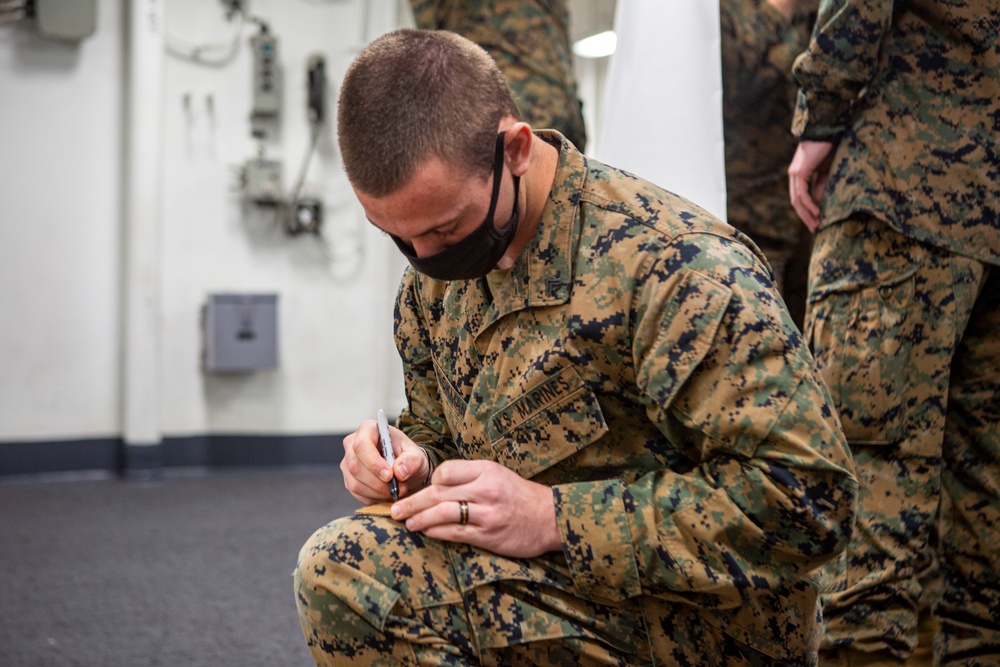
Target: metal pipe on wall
(142,330)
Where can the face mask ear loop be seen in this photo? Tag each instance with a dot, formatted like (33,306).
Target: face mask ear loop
(517,191)
(497,175)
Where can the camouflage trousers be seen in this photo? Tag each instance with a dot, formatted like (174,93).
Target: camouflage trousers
(370,592)
(907,337)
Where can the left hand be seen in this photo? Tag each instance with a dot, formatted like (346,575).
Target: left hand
(508,515)
(807,176)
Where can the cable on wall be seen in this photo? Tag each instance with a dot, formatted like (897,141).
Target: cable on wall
(211,54)
(13,10)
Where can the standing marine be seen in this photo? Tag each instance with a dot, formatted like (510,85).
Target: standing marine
(898,169)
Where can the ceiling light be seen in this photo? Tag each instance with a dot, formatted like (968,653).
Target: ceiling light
(597,46)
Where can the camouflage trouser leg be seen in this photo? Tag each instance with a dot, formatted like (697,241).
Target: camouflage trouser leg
(370,592)
(885,321)
(969,612)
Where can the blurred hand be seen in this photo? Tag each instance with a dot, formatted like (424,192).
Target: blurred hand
(508,515)
(367,473)
(786,7)
(807,176)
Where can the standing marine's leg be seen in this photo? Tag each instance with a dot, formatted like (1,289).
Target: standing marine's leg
(883,321)
(969,612)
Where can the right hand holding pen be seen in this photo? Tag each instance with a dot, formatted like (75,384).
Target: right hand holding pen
(366,472)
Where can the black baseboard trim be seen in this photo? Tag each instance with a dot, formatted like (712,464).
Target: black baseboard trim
(148,461)
(142,462)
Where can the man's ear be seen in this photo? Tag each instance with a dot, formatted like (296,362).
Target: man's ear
(517,148)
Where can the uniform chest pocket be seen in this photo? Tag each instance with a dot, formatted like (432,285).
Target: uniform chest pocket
(549,422)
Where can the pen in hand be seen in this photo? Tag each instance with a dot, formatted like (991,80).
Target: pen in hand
(386,439)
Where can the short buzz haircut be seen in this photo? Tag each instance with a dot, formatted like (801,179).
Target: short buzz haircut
(413,94)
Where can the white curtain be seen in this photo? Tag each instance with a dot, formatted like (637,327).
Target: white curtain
(662,115)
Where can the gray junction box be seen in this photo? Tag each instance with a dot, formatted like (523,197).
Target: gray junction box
(68,20)
(241,333)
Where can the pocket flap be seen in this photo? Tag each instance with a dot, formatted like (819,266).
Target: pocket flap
(549,422)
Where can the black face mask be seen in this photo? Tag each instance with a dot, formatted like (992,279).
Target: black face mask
(478,253)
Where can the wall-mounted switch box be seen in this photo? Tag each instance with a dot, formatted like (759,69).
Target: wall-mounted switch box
(69,20)
(262,181)
(241,333)
(266,75)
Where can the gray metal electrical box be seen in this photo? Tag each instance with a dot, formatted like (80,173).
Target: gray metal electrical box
(69,20)
(241,333)
(262,181)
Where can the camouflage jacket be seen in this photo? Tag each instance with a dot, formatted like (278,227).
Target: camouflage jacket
(637,359)
(530,43)
(758,98)
(912,92)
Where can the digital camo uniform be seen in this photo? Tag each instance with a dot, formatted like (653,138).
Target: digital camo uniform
(529,40)
(637,359)
(904,315)
(758,47)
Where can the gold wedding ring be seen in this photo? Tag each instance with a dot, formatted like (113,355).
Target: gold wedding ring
(463,512)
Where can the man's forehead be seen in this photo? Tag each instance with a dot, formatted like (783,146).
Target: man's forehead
(436,194)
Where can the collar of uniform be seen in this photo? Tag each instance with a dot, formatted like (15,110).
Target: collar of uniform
(543,272)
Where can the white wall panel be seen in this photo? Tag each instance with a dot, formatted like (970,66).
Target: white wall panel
(662,116)
(60,232)
(64,225)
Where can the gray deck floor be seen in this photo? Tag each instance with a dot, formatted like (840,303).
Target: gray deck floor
(194,569)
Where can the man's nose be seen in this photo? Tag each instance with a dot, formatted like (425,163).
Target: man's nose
(426,247)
